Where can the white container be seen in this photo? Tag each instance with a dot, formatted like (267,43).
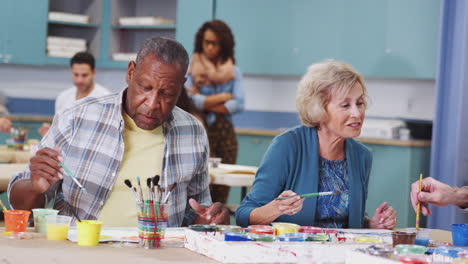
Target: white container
(120,56)
(68,17)
(144,20)
(383,129)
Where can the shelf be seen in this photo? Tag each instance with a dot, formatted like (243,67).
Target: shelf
(154,27)
(73,24)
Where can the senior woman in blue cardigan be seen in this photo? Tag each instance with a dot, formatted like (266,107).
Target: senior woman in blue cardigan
(319,156)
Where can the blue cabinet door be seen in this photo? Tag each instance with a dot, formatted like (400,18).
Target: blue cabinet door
(381,38)
(25,34)
(190,16)
(394,168)
(256,31)
(251,149)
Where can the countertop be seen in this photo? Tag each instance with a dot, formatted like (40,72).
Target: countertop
(31,118)
(392,142)
(265,132)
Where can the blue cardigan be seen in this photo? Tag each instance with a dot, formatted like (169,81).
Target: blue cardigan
(292,163)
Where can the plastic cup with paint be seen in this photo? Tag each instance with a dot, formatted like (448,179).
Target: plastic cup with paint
(228,228)
(284,228)
(460,235)
(403,237)
(40,218)
(410,249)
(57,227)
(232,236)
(261,237)
(16,220)
(261,229)
(422,237)
(89,232)
(311,229)
(293,237)
(414,259)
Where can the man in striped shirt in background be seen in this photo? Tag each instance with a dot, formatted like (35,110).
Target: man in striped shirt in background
(137,132)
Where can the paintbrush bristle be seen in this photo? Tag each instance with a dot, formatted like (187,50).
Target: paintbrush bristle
(148,182)
(172,186)
(156,180)
(336,192)
(128,183)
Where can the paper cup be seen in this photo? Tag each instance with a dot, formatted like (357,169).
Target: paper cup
(40,218)
(16,220)
(89,232)
(57,227)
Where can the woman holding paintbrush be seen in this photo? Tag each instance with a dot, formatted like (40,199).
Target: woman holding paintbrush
(319,157)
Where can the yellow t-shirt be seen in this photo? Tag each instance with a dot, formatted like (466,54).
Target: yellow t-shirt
(143,156)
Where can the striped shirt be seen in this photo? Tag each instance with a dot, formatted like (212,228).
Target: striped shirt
(90,137)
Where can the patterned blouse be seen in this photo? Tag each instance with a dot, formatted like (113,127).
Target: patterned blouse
(332,210)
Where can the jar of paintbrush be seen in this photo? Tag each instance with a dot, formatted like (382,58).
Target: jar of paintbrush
(152,222)
(152,210)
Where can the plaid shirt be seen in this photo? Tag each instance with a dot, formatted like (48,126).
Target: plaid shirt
(90,137)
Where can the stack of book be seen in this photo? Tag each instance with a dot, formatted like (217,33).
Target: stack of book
(64,47)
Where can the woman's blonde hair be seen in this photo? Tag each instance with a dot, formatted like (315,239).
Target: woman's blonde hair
(322,81)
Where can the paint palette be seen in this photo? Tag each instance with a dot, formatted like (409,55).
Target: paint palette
(267,248)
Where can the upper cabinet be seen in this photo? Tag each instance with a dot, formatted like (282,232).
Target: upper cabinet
(129,23)
(23,26)
(190,17)
(381,38)
(72,26)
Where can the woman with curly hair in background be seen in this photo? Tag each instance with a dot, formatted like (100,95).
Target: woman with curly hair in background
(215,86)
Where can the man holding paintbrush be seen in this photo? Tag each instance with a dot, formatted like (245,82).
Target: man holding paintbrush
(101,142)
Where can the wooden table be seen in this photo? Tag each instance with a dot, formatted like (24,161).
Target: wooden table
(39,250)
(234,176)
(14,156)
(8,170)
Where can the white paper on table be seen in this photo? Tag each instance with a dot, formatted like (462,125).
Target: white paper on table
(110,234)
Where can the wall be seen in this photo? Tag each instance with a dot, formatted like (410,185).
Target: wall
(403,98)
(390,98)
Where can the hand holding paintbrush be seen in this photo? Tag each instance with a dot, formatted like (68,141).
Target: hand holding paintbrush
(308,195)
(45,169)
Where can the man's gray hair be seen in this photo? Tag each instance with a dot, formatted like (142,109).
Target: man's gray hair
(167,50)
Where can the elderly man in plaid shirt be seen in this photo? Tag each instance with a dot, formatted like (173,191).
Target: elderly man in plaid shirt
(137,132)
